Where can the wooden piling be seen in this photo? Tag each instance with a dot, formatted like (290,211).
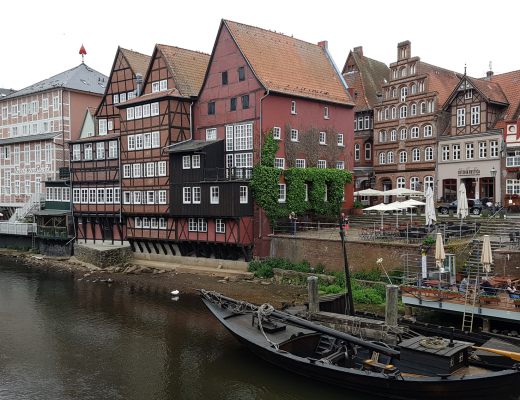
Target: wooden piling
(391,305)
(312,289)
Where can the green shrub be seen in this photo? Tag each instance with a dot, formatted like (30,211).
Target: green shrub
(339,279)
(319,268)
(485,214)
(369,296)
(253,266)
(381,290)
(373,275)
(302,266)
(358,204)
(429,241)
(36,251)
(265,271)
(26,248)
(333,289)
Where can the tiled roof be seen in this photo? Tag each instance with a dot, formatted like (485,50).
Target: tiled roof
(6,92)
(510,85)
(148,97)
(81,78)
(354,81)
(96,138)
(191,145)
(287,65)
(187,67)
(491,90)
(138,62)
(442,81)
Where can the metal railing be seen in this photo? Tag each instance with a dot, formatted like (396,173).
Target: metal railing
(33,204)
(17,228)
(228,174)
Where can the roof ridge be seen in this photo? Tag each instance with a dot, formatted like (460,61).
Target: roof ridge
(445,69)
(182,48)
(136,52)
(503,73)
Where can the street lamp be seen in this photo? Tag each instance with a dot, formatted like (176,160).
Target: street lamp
(372,181)
(493,172)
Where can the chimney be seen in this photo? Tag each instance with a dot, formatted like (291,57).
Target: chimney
(324,44)
(359,51)
(139,82)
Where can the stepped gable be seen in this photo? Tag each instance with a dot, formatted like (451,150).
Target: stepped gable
(288,65)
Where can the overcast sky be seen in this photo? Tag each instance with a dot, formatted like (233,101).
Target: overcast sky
(43,38)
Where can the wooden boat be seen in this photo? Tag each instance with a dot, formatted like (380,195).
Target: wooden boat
(413,370)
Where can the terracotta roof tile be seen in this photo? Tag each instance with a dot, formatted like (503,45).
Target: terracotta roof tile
(187,67)
(442,81)
(372,72)
(287,65)
(491,90)
(510,85)
(96,138)
(138,62)
(354,81)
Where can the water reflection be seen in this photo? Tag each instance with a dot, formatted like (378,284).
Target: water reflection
(64,339)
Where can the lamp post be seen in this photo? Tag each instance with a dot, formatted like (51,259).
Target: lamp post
(349,299)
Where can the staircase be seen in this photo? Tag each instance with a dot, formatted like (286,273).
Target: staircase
(34,204)
(469,302)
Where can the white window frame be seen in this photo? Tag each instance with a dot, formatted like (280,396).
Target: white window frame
(293,107)
(163,84)
(244,195)
(196,195)
(150,169)
(220,226)
(323,138)
(211,134)
(475,115)
(138,112)
(162,196)
(100,151)
(155,87)
(403,157)
(414,132)
(322,163)
(493,148)
(416,155)
(456,152)
(482,150)
(155,109)
(445,153)
(368,150)
(214,195)
(468,94)
(112,149)
(136,171)
(282,194)
(186,162)
(357,152)
(186,195)
(300,163)
(150,197)
(138,223)
(393,135)
(76,152)
(326,113)
(404,134)
(279,162)
(163,223)
(390,157)
(127,171)
(428,131)
(340,139)
(382,158)
(146,110)
(76,196)
(294,135)
(195,161)
(102,127)
(139,142)
(192,225)
(470,151)
(461,117)
(87,152)
(161,168)
(130,142)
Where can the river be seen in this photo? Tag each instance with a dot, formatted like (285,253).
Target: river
(63,339)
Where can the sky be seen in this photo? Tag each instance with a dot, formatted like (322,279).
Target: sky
(43,38)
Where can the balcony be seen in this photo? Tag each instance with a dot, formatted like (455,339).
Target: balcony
(227,174)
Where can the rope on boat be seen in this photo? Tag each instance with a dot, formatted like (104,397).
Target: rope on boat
(265,310)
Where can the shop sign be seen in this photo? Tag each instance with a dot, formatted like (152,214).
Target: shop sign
(19,170)
(469,171)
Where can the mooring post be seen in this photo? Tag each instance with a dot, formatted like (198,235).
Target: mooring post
(312,289)
(391,305)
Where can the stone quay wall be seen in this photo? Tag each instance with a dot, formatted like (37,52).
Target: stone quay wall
(103,258)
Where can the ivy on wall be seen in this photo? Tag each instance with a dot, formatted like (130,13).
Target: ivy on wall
(325,185)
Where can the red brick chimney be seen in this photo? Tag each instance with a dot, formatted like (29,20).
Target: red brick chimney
(359,51)
(324,44)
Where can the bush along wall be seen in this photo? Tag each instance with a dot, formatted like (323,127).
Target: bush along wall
(325,186)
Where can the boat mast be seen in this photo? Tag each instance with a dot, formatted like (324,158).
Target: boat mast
(348,296)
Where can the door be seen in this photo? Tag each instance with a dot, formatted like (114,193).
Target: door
(387,185)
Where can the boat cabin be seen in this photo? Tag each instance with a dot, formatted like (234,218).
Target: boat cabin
(55,222)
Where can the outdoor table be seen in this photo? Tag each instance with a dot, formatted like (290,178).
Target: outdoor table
(503,279)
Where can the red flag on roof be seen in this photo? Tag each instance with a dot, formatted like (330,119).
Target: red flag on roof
(82,50)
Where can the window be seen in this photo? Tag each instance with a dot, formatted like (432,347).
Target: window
(340,164)
(192,225)
(300,162)
(112,149)
(403,112)
(115,99)
(394,93)
(326,112)
(76,196)
(428,182)
(382,158)
(65,190)
(475,115)
(161,168)
(382,137)
(102,124)
(76,153)
(146,223)
(138,112)
(423,108)
(146,110)
(214,198)
(360,124)
(126,197)
(7,154)
(461,117)
(127,172)
(155,109)
(404,134)
(323,138)
(390,157)
(355,124)
(87,152)
(211,134)
(130,140)
(155,87)
(404,92)
(482,150)
(129,114)
(156,139)
(468,94)
(35,107)
(220,227)
(162,223)
(367,122)
(456,151)
(241,74)
(137,197)
(202,225)
(92,196)
(117,195)
(100,150)
(403,71)
(48,193)
(414,133)
(163,85)
(24,109)
(122,97)
(245,101)
(109,195)
(469,151)
(211,108)
(512,186)
(427,131)
(401,183)
(403,157)
(393,135)
(150,169)
(394,73)
(294,135)
(244,137)
(101,196)
(293,107)
(4,112)
(416,155)
(137,222)
(229,138)
(279,163)
(150,197)
(368,151)
(162,196)
(281,193)
(196,195)
(244,160)
(195,161)
(431,106)
(493,145)
(322,164)
(386,114)
(139,142)
(413,182)
(413,110)
(414,88)
(186,162)
(421,86)
(394,113)
(356,152)
(243,195)
(84,196)
(224,78)
(445,153)
(110,125)
(136,171)
(147,137)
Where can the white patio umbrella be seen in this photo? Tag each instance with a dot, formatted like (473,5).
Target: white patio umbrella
(439,251)
(402,192)
(414,202)
(430,207)
(368,192)
(382,208)
(462,205)
(400,206)
(487,255)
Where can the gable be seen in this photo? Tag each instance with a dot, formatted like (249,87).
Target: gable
(88,125)
(158,70)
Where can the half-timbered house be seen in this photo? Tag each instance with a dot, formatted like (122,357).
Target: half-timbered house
(95,156)
(158,118)
(258,80)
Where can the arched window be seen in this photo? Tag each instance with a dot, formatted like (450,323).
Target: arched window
(382,158)
(428,182)
(404,93)
(416,155)
(403,72)
(421,86)
(423,108)
(394,113)
(382,137)
(395,73)
(401,183)
(394,92)
(412,69)
(379,115)
(368,151)
(413,182)
(393,135)
(431,106)
(428,153)
(356,151)
(414,88)
(390,157)
(404,134)
(403,112)
(427,131)
(386,113)
(403,157)
(413,109)
(414,133)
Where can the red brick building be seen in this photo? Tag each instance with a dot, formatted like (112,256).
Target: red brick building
(259,80)
(408,122)
(364,77)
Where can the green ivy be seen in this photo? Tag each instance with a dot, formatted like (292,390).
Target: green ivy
(269,149)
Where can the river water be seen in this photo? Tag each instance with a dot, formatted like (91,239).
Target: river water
(64,339)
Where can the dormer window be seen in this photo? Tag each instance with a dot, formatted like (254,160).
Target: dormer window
(163,85)
(155,87)
(468,94)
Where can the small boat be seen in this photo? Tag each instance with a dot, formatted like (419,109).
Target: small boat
(419,368)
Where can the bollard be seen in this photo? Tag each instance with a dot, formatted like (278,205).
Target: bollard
(391,305)
(312,292)
(408,311)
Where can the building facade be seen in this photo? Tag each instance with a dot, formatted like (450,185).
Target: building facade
(408,122)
